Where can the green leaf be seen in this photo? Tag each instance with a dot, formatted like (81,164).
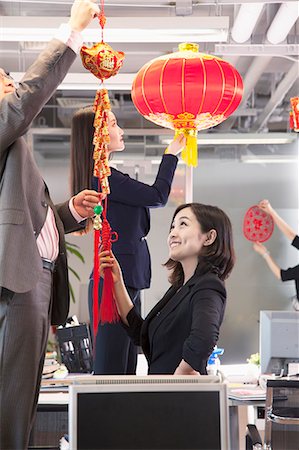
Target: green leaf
(75,273)
(76,253)
(73,249)
(71,244)
(72,293)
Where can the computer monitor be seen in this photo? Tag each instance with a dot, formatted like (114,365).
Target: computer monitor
(149,413)
(279,341)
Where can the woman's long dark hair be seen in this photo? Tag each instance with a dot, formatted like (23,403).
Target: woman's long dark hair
(81,150)
(219,257)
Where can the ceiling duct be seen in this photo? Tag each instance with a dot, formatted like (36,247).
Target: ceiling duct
(282,23)
(246,21)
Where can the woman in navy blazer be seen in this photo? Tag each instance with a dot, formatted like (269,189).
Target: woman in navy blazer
(180,332)
(128,214)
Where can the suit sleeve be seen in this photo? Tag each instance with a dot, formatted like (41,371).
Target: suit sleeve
(295,242)
(125,189)
(207,315)
(69,222)
(17,110)
(135,322)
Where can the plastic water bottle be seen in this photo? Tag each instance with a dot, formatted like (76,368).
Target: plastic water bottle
(214,361)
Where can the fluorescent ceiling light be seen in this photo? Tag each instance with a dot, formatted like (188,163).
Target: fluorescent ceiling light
(246,21)
(275,159)
(246,138)
(122,29)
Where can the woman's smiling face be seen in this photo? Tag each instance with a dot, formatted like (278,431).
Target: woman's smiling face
(186,238)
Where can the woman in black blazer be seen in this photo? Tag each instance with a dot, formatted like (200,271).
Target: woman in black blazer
(180,332)
(128,214)
(292,273)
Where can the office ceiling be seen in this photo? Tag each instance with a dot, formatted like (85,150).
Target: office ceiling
(260,39)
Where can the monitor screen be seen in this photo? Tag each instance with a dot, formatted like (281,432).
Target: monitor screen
(279,341)
(174,414)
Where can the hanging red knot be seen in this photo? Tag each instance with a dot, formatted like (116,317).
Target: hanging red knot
(108,309)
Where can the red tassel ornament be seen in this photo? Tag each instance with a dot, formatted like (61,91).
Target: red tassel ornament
(103,62)
(108,309)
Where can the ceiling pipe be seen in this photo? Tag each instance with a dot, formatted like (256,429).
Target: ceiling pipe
(277,97)
(283,21)
(254,72)
(246,21)
(256,69)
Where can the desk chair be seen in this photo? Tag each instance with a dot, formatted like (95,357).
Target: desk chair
(281,418)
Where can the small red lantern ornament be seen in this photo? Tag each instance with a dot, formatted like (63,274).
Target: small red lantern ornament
(294,114)
(101,60)
(187,91)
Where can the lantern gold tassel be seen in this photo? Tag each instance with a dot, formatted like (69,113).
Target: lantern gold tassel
(189,153)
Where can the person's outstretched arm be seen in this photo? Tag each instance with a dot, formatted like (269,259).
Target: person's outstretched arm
(131,192)
(281,224)
(262,250)
(19,107)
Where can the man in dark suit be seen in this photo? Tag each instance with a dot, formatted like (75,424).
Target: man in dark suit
(33,266)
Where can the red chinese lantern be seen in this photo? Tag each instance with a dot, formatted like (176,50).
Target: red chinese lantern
(187,91)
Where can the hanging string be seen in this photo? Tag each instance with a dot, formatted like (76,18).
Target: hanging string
(102,19)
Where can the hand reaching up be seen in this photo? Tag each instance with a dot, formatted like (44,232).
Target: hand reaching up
(82,13)
(260,248)
(176,145)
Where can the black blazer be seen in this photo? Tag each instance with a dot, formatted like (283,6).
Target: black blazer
(292,273)
(183,325)
(128,214)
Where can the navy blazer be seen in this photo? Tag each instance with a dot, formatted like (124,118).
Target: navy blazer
(128,214)
(183,325)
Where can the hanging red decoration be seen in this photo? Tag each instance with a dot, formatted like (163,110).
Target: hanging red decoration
(294,114)
(257,225)
(187,91)
(103,62)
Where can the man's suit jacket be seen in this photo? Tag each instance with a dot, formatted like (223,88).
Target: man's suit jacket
(128,214)
(24,198)
(183,325)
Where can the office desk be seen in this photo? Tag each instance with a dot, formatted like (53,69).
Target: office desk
(240,414)
(51,421)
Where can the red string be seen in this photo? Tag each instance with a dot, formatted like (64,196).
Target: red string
(96,277)
(108,309)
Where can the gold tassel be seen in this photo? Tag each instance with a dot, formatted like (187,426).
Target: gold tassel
(189,153)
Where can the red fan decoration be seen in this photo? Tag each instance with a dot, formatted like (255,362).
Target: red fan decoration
(294,114)
(187,91)
(257,225)
(103,62)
